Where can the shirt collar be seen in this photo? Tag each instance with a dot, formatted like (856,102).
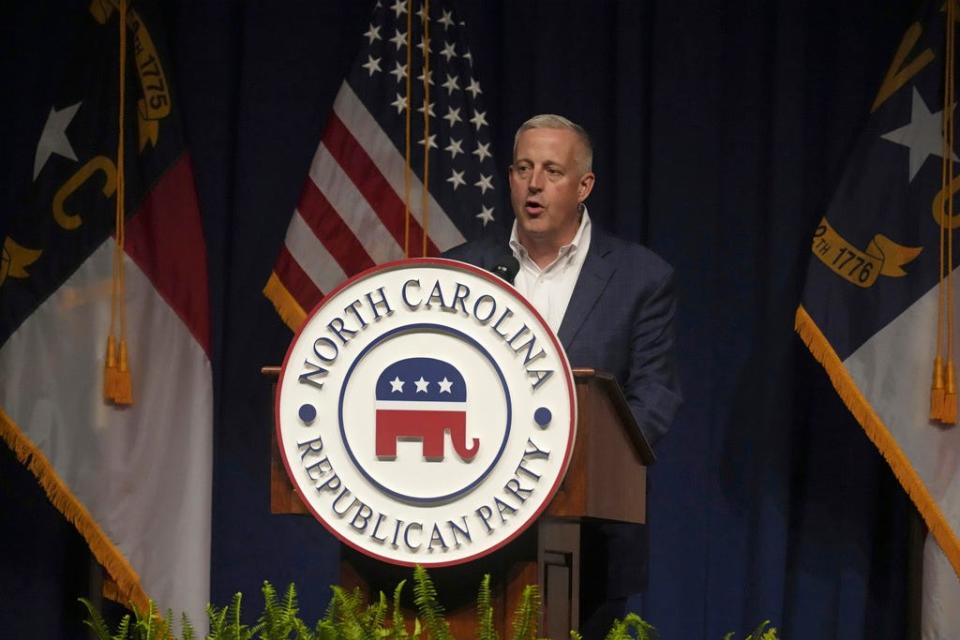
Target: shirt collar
(520,252)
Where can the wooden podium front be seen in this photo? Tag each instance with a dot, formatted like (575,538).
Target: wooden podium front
(606,481)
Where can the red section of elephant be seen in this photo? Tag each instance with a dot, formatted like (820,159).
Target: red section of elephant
(427,426)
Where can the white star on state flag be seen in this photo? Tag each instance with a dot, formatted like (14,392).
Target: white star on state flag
(450,84)
(456,178)
(479,119)
(923,136)
(373,33)
(486,214)
(453,116)
(454,147)
(474,88)
(421,385)
(446,19)
(449,50)
(400,6)
(399,71)
(400,103)
(400,39)
(484,183)
(372,65)
(445,385)
(482,151)
(53,139)
(396,385)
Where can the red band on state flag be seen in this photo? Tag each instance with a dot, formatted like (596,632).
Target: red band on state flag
(165,239)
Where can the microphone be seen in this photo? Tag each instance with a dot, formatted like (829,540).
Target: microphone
(506,267)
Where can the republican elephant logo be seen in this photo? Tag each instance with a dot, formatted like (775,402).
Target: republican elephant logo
(422,399)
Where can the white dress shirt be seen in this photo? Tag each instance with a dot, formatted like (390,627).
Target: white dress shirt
(549,289)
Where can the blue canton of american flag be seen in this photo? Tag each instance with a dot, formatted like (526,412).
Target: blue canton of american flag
(351,214)
(422,399)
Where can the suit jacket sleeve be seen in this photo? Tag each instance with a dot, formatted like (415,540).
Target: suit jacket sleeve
(652,385)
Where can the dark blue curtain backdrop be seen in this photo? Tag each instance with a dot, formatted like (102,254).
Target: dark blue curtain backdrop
(720,129)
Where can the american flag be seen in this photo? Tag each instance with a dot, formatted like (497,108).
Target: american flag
(352,213)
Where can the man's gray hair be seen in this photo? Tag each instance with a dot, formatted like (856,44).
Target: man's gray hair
(553,121)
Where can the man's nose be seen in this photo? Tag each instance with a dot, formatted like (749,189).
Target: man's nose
(535,185)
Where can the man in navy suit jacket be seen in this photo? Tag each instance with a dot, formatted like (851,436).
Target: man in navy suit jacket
(611,302)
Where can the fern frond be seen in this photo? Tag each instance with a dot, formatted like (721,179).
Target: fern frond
(378,613)
(425,597)
(527,616)
(399,629)
(186,628)
(95,621)
(485,627)
(643,629)
(123,629)
(617,631)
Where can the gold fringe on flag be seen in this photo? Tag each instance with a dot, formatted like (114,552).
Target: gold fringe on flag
(880,435)
(117,383)
(118,569)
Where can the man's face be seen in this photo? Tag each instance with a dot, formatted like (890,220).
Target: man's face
(546,186)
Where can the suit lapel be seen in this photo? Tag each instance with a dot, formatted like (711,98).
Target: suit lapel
(594,276)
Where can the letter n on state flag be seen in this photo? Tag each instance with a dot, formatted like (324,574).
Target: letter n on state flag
(877,307)
(134,480)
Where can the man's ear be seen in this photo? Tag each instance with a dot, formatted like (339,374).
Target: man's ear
(585,185)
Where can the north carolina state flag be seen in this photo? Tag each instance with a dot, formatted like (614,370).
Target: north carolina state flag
(135,481)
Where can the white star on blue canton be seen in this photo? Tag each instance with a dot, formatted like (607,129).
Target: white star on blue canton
(923,135)
(400,103)
(54,139)
(484,183)
(399,71)
(429,109)
(450,84)
(453,116)
(446,19)
(474,88)
(421,385)
(479,119)
(486,215)
(454,147)
(482,151)
(449,50)
(432,141)
(400,6)
(396,385)
(456,178)
(373,33)
(399,39)
(445,385)
(372,64)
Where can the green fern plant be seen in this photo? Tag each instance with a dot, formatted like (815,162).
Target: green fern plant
(762,632)
(485,627)
(430,609)
(526,618)
(632,626)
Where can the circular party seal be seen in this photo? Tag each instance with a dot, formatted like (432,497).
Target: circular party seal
(426,413)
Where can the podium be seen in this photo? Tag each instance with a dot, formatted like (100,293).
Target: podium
(610,455)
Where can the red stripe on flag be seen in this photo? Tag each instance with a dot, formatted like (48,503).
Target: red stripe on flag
(165,239)
(296,280)
(330,229)
(356,163)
